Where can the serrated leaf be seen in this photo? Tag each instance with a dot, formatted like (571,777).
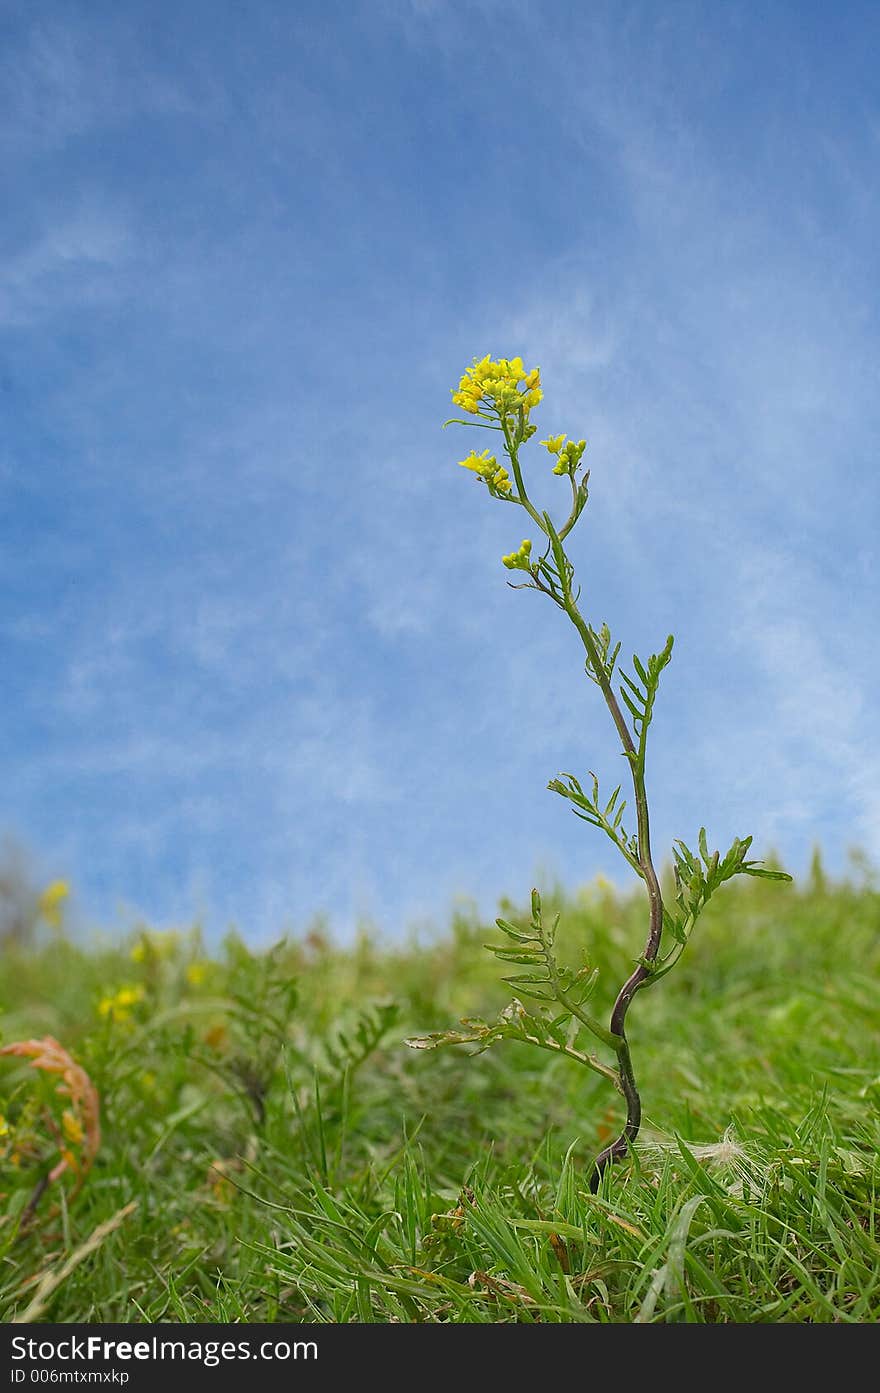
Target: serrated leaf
(675,930)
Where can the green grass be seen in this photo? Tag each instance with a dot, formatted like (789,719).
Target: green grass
(289,1159)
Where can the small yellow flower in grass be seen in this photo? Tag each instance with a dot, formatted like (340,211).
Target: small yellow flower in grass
(4,1126)
(72,1127)
(51,902)
(117,1008)
(519,560)
(196,974)
(129,996)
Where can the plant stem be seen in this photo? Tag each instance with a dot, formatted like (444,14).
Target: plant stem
(522,496)
(635,759)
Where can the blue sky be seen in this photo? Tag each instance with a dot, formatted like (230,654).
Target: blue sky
(259,658)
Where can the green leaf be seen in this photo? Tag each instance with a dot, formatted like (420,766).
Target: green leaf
(509,955)
(533,993)
(585,984)
(687,857)
(513,932)
(634,710)
(754,870)
(704,846)
(637,691)
(675,930)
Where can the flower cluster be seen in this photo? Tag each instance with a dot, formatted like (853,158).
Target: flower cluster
(568,457)
(487,468)
(500,387)
(503,393)
(519,560)
(118,1007)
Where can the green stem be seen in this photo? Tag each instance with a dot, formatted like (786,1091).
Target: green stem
(594,1026)
(589,1060)
(642,973)
(523,497)
(573,515)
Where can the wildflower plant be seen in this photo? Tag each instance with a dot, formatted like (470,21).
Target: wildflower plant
(56,1129)
(500,397)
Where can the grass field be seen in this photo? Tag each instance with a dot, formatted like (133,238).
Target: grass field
(271,1151)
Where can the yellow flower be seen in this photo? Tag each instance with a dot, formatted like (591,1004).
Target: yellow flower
(486,466)
(52,900)
(554,443)
(496,386)
(483,463)
(129,996)
(117,1008)
(196,974)
(71,1127)
(4,1126)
